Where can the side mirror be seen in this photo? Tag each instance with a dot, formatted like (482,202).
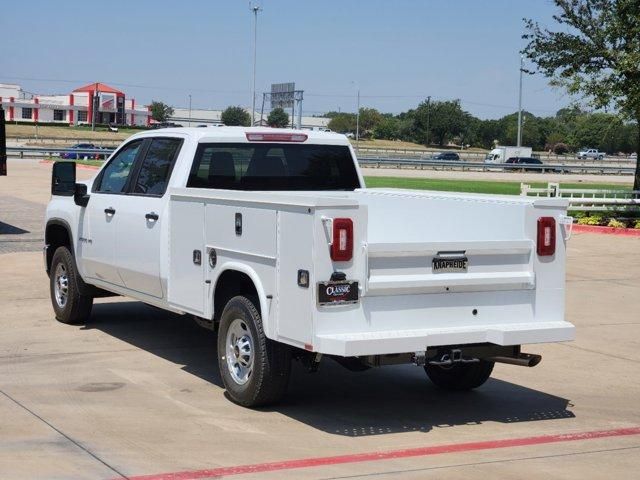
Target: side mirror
(80,196)
(63,179)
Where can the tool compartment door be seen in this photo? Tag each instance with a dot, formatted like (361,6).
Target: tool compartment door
(185,283)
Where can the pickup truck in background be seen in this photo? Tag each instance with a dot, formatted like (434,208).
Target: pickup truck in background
(590,153)
(270,237)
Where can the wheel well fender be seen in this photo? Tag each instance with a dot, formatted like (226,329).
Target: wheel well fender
(239,279)
(57,234)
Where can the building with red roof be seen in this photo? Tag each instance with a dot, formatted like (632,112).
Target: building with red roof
(95,103)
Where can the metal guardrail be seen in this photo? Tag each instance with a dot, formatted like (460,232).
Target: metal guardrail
(465,155)
(371,162)
(37,152)
(587,199)
(474,166)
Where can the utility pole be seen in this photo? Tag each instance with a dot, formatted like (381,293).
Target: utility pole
(189,109)
(519,144)
(255,9)
(428,119)
(358,123)
(357,115)
(3,145)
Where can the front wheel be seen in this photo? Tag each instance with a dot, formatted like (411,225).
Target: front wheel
(255,370)
(68,304)
(460,376)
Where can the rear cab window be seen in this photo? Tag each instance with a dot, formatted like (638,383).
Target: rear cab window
(273,167)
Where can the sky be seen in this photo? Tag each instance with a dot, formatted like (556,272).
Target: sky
(395,52)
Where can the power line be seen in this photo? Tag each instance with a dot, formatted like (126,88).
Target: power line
(244,92)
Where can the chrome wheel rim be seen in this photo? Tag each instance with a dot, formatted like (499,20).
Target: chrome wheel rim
(239,351)
(61,285)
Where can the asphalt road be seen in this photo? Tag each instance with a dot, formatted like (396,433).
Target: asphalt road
(136,392)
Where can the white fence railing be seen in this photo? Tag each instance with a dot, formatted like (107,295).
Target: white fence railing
(587,199)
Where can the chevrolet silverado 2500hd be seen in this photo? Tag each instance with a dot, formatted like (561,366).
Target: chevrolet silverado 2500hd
(271,237)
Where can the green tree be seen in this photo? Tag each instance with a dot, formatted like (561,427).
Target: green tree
(488,133)
(369,119)
(343,123)
(440,121)
(599,130)
(387,129)
(596,53)
(278,118)
(236,117)
(160,111)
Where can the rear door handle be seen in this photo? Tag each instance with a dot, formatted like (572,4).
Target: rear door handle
(152,216)
(110,211)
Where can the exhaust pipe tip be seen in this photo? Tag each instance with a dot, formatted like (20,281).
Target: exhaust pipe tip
(522,359)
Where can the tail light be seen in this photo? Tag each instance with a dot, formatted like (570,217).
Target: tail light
(342,245)
(546,236)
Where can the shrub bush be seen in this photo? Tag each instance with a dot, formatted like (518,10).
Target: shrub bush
(616,223)
(592,220)
(560,148)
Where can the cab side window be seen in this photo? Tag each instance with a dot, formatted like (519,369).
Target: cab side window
(113,178)
(156,167)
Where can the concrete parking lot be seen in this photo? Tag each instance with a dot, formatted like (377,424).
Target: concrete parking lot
(136,392)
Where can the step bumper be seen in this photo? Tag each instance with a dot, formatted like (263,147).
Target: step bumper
(403,341)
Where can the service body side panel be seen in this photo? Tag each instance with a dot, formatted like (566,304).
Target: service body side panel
(185,285)
(251,251)
(295,252)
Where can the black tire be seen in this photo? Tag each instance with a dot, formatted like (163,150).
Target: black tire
(270,368)
(74,308)
(461,376)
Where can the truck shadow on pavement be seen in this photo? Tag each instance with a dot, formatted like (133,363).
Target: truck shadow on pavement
(8,229)
(380,401)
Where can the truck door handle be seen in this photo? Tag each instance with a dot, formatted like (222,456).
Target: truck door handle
(110,211)
(152,216)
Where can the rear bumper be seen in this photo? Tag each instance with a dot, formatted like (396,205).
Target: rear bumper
(403,341)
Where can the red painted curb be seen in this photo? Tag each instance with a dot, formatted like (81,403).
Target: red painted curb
(85,167)
(388,455)
(625,232)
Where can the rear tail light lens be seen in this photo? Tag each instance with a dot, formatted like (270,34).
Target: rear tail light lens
(342,245)
(546,236)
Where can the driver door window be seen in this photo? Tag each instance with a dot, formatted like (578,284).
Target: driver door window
(115,175)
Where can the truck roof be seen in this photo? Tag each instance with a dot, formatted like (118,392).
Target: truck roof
(238,134)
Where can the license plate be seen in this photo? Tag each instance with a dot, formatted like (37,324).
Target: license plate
(450,265)
(337,293)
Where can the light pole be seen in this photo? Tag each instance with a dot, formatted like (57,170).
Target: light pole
(357,115)
(428,118)
(255,9)
(519,144)
(189,109)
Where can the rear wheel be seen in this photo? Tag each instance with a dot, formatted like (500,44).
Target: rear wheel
(460,376)
(255,370)
(68,304)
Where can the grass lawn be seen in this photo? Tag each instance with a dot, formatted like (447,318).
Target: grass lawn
(93,163)
(79,133)
(473,186)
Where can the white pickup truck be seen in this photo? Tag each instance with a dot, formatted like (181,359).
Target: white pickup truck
(270,237)
(590,154)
